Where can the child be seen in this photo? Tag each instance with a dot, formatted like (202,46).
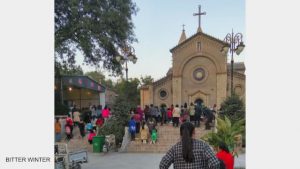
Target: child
(153,136)
(100,121)
(89,126)
(69,122)
(132,128)
(68,131)
(57,130)
(144,132)
(91,136)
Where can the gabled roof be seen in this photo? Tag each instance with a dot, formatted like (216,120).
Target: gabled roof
(202,34)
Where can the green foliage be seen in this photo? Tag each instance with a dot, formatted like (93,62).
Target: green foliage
(100,77)
(61,69)
(226,132)
(146,80)
(61,109)
(116,124)
(129,90)
(95,28)
(233,107)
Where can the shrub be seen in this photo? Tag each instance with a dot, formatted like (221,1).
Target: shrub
(119,119)
(233,107)
(226,132)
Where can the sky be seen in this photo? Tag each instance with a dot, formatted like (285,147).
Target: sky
(158,26)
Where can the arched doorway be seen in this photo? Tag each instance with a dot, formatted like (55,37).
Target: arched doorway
(198,101)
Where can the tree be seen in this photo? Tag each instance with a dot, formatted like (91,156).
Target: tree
(61,69)
(96,75)
(120,117)
(233,107)
(100,78)
(129,90)
(146,80)
(97,28)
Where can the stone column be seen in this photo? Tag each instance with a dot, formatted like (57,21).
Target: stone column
(102,99)
(221,88)
(151,95)
(176,90)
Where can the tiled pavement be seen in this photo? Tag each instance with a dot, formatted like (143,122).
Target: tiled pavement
(134,161)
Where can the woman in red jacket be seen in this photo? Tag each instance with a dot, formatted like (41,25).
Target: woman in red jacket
(225,156)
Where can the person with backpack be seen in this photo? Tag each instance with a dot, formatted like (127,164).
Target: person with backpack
(151,124)
(225,156)
(132,128)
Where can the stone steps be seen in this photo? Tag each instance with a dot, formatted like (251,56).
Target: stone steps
(167,137)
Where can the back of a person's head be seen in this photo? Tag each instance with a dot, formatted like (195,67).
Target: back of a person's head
(176,105)
(186,133)
(223,147)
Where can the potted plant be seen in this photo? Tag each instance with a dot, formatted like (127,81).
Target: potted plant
(227,132)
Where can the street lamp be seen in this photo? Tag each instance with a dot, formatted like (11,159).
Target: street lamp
(236,45)
(129,55)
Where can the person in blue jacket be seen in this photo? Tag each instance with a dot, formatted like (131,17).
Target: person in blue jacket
(132,128)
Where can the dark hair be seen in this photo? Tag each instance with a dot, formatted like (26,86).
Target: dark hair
(57,119)
(176,105)
(224,147)
(186,132)
(185,105)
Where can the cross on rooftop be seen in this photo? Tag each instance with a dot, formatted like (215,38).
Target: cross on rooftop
(199,14)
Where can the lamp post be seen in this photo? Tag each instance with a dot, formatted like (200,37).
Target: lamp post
(236,45)
(129,55)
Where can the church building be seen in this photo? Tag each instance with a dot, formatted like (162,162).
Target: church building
(200,72)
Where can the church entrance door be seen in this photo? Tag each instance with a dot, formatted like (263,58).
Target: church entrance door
(198,101)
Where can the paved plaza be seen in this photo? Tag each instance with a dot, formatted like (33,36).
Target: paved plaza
(134,161)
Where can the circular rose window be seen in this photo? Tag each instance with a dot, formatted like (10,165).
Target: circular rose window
(163,94)
(199,74)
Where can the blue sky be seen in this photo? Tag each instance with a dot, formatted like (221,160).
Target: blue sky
(158,29)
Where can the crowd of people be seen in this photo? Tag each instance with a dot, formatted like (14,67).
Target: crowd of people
(87,122)
(145,121)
